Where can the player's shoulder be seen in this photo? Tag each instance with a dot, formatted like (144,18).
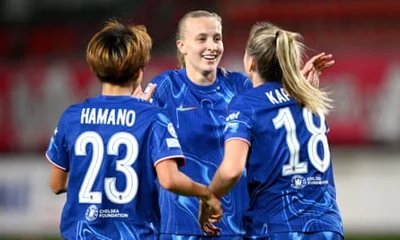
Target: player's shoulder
(271,95)
(145,107)
(142,107)
(166,76)
(236,78)
(69,113)
(94,102)
(240,98)
(232,75)
(152,114)
(149,107)
(251,96)
(72,109)
(77,107)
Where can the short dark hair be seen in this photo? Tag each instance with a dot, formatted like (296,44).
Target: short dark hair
(116,53)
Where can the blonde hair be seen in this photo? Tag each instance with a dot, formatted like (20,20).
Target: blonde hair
(116,53)
(278,54)
(182,28)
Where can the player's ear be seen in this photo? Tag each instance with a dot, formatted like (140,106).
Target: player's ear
(253,64)
(181,47)
(140,75)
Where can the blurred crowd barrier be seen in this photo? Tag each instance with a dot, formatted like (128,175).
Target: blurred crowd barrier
(367,191)
(365,89)
(43,69)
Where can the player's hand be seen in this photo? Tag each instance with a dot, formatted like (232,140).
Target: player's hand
(214,206)
(147,94)
(314,67)
(210,212)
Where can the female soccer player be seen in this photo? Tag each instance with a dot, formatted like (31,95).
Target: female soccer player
(196,97)
(112,147)
(282,120)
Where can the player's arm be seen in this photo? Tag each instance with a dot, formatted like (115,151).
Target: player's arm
(57,155)
(58,180)
(227,175)
(231,168)
(177,182)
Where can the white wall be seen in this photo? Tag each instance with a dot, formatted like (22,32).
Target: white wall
(367,190)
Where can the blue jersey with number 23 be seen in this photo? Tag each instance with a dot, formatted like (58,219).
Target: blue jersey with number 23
(109,146)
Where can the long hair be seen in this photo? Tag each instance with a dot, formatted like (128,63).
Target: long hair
(278,54)
(116,53)
(182,26)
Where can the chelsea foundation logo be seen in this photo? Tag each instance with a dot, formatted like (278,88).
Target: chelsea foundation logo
(91,213)
(298,182)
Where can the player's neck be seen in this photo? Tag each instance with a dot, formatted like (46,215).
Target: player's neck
(257,81)
(201,78)
(116,90)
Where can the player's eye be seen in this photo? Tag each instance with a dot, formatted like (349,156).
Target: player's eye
(218,39)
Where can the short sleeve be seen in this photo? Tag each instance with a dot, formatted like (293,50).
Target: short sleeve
(164,141)
(239,120)
(57,151)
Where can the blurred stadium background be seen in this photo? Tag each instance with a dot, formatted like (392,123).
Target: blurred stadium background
(43,70)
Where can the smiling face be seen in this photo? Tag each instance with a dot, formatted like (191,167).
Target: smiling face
(201,44)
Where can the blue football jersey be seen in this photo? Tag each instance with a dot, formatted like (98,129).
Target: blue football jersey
(109,146)
(289,170)
(199,113)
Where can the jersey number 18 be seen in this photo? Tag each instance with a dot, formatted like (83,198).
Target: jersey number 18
(285,119)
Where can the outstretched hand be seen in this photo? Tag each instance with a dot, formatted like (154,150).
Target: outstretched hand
(210,212)
(314,67)
(147,94)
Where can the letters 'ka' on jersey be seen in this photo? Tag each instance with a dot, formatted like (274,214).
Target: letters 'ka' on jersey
(199,113)
(289,170)
(109,146)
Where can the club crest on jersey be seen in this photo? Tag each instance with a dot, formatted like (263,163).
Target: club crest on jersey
(91,213)
(298,182)
(171,130)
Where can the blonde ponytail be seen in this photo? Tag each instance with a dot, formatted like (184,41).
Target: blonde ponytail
(278,54)
(289,51)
